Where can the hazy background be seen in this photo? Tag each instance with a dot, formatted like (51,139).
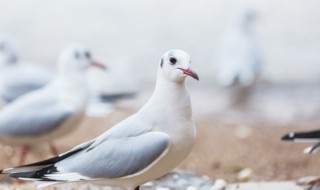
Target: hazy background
(134,34)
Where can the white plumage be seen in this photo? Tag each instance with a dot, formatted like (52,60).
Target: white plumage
(143,147)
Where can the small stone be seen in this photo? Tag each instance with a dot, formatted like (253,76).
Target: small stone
(191,188)
(245,175)
(243,131)
(9,151)
(162,188)
(175,177)
(309,181)
(149,184)
(219,184)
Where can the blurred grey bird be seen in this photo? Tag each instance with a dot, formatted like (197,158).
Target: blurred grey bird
(52,111)
(239,58)
(307,136)
(143,147)
(16,77)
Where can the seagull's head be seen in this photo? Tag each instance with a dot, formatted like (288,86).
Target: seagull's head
(175,66)
(77,58)
(8,53)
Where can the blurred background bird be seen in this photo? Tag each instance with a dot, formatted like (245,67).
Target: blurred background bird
(16,76)
(239,58)
(306,136)
(103,95)
(55,110)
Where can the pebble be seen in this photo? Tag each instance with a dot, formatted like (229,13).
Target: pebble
(219,184)
(191,188)
(245,175)
(162,188)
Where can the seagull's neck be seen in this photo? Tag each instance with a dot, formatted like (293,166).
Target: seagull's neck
(72,87)
(72,81)
(168,90)
(169,98)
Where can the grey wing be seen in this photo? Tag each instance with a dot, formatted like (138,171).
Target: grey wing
(114,158)
(32,116)
(30,79)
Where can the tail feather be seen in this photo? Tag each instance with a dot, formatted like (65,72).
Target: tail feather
(38,175)
(115,97)
(38,166)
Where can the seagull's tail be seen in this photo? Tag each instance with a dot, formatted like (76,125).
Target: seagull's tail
(115,97)
(38,171)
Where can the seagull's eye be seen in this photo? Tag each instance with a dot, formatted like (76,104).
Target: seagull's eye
(88,55)
(77,55)
(172,60)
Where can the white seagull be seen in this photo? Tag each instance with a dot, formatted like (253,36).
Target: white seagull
(239,56)
(307,136)
(30,77)
(52,111)
(143,147)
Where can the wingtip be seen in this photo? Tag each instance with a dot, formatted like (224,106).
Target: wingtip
(5,171)
(310,150)
(288,137)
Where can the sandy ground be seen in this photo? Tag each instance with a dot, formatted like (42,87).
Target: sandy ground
(218,152)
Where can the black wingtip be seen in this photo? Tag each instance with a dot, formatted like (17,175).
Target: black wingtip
(288,137)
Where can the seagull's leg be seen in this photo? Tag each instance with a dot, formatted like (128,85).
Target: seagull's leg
(137,188)
(23,152)
(53,149)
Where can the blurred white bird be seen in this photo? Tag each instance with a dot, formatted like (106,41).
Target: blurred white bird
(239,57)
(16,77)
(52,111)
(140,148)
(307,136)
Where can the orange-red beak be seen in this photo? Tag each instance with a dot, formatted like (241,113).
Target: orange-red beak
(191,73)
(99,65)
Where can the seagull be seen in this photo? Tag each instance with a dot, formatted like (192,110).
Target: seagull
(239,57)
(30,77)
(239,60)
(52,111)
(140,148)
(308,136)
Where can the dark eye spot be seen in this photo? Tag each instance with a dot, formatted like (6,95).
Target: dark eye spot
(173,60)
(161,63)
(77,55)
(87,54)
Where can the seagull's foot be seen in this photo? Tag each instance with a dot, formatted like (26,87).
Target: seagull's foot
(53,149)
(23,152)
